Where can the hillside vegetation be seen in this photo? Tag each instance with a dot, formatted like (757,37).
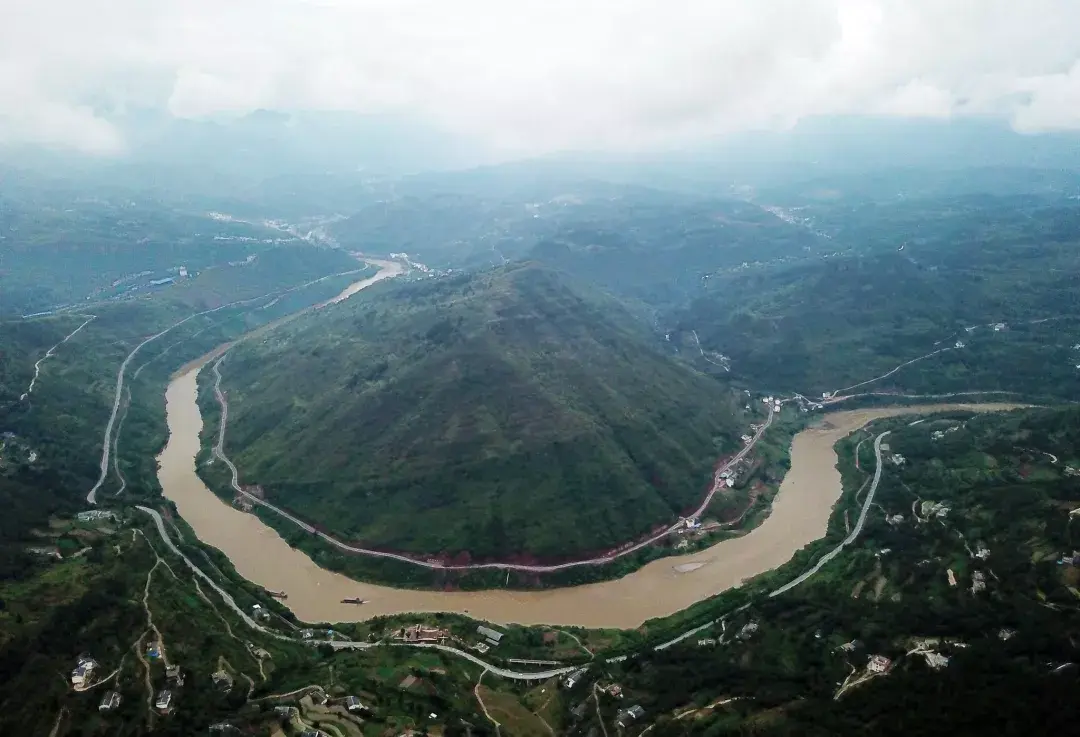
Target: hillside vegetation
(964,578)
(924,276)
(496,414)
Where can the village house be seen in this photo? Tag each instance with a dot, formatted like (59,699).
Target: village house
(286,712)
(222,680)
(352,703)
(978,582)
(748,629)
(109,701)
(492,636)
(878,664)
(163,703)
(84,669)
(629,715)
(571,680)
(174,675)
(936,660)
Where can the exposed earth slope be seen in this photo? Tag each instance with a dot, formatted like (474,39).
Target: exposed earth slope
(502,414)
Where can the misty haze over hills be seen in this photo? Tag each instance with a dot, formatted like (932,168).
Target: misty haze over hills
(324,163)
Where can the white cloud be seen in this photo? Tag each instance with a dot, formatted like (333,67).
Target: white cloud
(536,75)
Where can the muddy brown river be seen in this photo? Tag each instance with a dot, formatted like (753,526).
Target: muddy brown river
(799,516)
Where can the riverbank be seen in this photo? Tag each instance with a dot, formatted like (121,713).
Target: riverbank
(662,587)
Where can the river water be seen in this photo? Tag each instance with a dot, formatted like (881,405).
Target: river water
(799,516)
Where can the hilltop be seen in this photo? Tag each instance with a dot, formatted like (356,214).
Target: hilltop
(505,414)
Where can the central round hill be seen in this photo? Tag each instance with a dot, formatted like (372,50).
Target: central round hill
(504,414)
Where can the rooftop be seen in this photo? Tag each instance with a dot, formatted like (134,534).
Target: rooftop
(109,701)
(489,633)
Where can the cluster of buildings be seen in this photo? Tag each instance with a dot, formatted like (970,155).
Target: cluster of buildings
(82,679)
(939,434)
(422,634)
(174,678)
(95,515)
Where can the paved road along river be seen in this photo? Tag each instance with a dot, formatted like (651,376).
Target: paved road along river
(800,513)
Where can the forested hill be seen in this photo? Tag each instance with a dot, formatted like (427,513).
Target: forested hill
(499,414)
(928,275)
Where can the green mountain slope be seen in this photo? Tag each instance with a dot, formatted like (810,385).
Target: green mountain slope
(823,324)
(499,414)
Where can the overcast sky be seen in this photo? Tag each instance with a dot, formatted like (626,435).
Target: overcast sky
(537,75)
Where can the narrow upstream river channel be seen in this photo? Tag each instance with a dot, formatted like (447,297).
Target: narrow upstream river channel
(800,514)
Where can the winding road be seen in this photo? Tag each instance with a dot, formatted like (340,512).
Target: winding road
(49,353)
(853,534)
